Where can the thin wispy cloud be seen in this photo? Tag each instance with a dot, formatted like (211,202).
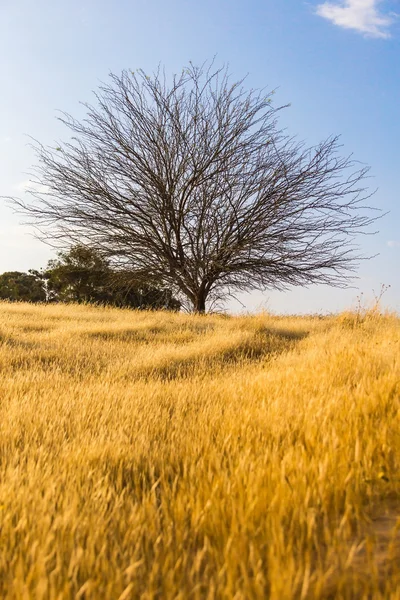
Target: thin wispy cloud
(393,244)
(363,16)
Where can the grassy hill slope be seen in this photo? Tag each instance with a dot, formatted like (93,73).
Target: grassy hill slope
(156,455)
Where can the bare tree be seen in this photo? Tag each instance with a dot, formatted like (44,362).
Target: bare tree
(193,185)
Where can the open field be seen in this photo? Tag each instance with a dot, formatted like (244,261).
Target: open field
(156,455)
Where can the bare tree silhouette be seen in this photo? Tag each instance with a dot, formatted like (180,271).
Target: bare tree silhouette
(193,185)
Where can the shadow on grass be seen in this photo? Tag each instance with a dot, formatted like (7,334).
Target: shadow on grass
(260,345)
(264,345)
(159,334)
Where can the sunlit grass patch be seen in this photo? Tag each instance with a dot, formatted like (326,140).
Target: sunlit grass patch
(159,455)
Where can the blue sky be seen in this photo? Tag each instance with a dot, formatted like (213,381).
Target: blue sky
(337,63)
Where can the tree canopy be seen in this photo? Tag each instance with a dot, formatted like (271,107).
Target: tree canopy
(81,275)
(15,285)
(190,183)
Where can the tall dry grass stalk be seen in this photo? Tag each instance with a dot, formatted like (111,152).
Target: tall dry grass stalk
(154,455)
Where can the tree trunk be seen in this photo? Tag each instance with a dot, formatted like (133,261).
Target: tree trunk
(200,304)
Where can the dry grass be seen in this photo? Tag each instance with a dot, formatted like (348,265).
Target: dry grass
(152,455)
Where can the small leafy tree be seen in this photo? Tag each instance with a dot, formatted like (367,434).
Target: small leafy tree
(24,287)
(82,275)
(79,275)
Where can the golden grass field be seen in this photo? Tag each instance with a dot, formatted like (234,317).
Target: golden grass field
(158,455)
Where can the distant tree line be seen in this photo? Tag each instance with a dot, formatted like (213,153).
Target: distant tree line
(82,275)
